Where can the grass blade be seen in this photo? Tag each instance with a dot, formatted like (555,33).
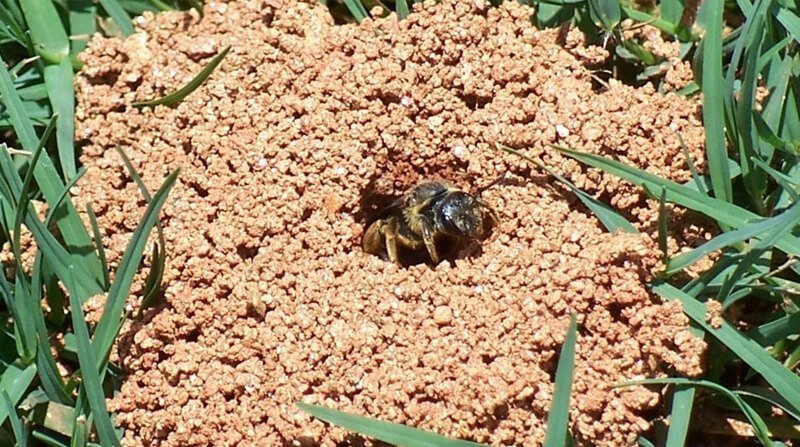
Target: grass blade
(610,219)
(644,442)
(17,114)
(663,218)
(152,289)
(33,92)
(15,11)
(81,412)
(779,81)
(50,184)
(703,183)
(713,113)
(759,426)
(15,302)
(396,434)
(46,31)
(13,28)
(49,439)
(671,28)
(49,375)
(754,178)
(111,321)
(767,56)
(607,12)
(58,79)
(770,333)
(24,330)
(791,126)
(115,11)
(16,424)
(356,9)
(401,8)
(680,416)
(767,135)
(81,431)
(15,381)
(98,242)
(782,380)
(698,180)
(51,213)
(671,10)
(787,193)
(767,395)
(725,212)
(56,255)
(92,383)
(183,92)
(82,23)
(790,21)
(788,220)
(684,260)
(23,200)
(24,299)
(558,419)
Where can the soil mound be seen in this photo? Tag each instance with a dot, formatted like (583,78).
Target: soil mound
(287,152)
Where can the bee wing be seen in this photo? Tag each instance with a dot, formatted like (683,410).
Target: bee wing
(391,209)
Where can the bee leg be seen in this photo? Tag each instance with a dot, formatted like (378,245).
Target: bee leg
(390,233)
(371,243)
(427,237)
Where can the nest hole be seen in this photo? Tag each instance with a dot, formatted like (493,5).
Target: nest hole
(383,190)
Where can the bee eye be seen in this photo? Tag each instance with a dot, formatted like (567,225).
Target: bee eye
(460,215)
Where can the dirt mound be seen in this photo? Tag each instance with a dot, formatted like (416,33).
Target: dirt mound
(287,151)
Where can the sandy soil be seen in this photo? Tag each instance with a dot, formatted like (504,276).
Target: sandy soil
(285,154)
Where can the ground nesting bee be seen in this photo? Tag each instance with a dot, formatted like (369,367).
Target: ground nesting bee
(434,217)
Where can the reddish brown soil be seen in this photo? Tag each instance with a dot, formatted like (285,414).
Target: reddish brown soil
(284,154)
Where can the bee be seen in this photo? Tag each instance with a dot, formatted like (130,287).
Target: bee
(434,217)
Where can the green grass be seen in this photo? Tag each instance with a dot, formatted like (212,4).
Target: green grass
(180,94)
(750,148)
(750,189)
(38,45)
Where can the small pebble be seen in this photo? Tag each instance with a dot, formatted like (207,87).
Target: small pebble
(442,315)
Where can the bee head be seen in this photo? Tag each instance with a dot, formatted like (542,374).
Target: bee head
(462,215)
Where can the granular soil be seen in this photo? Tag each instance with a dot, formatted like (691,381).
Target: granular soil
(286,153)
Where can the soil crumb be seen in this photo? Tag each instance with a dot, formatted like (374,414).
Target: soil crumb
(285,154)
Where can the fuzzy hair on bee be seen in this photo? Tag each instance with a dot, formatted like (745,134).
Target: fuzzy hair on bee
(428,216)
